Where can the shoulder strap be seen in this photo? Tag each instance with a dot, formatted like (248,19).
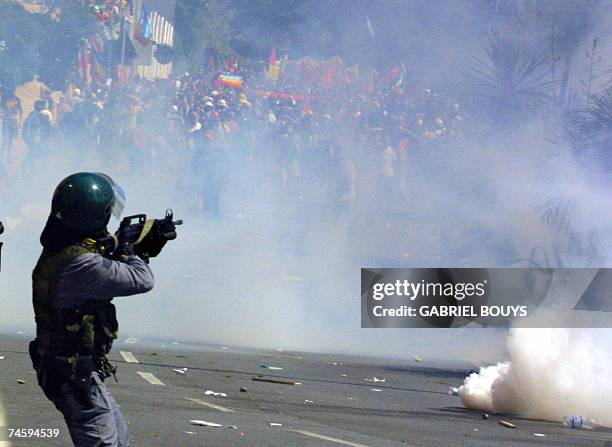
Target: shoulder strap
(49,266)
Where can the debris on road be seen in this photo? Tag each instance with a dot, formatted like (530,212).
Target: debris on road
(579,422)
(507,424)
(273,368)
(243,389)
(275,424)
(343,375)
(306,401)
(279,382)
(375,379)
(2,357)
(452,391)
(375,389)
(418,358)
(210,424)
(204,423)
(190,433)
(180,371)
(485,416)
(539,435)
(213,393)
(21,381)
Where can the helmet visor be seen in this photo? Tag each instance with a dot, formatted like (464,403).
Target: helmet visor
(119,204)
(119,196)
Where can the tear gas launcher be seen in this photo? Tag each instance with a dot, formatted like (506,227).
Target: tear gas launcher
(146,237)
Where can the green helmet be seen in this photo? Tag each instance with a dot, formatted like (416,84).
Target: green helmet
(85,201)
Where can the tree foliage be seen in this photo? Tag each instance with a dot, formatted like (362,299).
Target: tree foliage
(41,44)
(19,47)
(203,25)
(65,25)
(512,81)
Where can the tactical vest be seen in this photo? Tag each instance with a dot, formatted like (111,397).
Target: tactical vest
(74,342)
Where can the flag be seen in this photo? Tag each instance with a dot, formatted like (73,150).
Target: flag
(85,65)
(274,67)
(273,57)
(97,70)
(230,80)
(393,75)
(142,31)
(330,70)
(96,44)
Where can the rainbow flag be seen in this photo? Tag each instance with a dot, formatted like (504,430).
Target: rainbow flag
(231,80)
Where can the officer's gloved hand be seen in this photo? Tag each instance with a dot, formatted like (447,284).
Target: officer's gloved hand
(122,253)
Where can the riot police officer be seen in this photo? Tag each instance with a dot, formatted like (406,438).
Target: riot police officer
(73,289)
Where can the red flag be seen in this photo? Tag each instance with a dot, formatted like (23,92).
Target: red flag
(393,74)
(85,62)
(140,38)
(273,57)
(274,68)
(96,44)
(328,77)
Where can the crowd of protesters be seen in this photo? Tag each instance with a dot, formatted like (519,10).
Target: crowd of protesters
(311,144)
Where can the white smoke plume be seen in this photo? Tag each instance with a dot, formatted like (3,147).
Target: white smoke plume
(551,373)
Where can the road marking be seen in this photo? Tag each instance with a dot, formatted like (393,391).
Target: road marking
(6,443)
(208,404)
(150,378)
(130,341)
(128,356)
(328,438)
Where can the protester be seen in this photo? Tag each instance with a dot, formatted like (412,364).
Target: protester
(311,142)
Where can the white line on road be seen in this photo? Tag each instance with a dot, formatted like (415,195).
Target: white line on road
(150,378)
(327,438)
(6,443)
(128,356)
(208,404)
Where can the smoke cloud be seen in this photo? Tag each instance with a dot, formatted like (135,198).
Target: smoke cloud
(551,373)
(277,273)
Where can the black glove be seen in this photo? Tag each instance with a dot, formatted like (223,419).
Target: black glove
(124,250)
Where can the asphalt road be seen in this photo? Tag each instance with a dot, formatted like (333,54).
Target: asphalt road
(333,404)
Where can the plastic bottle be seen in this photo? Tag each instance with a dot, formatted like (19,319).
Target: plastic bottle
(579,422)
